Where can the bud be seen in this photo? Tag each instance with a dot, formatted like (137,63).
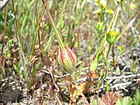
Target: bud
(99,26)
(103,3)
(112,37)
(67,59)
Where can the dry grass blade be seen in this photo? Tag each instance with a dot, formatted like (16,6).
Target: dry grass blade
(128,26)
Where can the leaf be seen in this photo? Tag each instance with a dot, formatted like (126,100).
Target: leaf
(48,43)
(137,98)
(94,74)
(94,64)
(84,86)
(93,102)
(109,99)
(1,23)
(125,101)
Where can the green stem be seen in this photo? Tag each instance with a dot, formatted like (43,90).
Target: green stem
(113,54)
(108,50)
(65,2)
(101,47)
(52,22)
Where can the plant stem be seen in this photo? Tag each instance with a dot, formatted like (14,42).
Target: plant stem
(73,77)
(108,50)
(3,34)
(113,53)
(52,22)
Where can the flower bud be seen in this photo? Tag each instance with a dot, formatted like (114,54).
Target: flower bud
(112,37)
(99,26)
(103,3)
(67,59)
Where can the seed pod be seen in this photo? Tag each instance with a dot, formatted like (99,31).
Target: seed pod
(67,59)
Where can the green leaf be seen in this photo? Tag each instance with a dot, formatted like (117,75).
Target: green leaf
(94,64)
(94,102)
(1,23)
(125,101)
(48,43)
(137,98)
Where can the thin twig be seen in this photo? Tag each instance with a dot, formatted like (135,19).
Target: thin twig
(127,76)
(60,103)
(52,76)
(121,85)
(108,78)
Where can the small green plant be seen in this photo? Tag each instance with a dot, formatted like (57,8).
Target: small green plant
(130,101)
(125,101)
(66,58)
(137,98)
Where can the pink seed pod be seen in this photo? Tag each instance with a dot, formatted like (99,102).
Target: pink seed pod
(67,59)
